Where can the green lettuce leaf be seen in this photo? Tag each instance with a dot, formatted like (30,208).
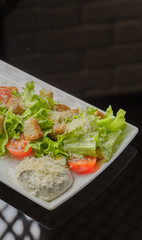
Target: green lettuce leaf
(39,110)
(88,132)
(46,146)
(107,143)
(110,129)
(112,123)
(37,105)
(81,144)
(3,110)
(28,94)
(13,126)
(3,142)
(42,118)
(41,114)
(108,113)
(118,122)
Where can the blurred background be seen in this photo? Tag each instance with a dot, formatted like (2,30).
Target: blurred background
(91,49)
(85,47)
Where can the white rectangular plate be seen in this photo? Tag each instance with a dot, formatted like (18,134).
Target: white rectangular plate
(11,76)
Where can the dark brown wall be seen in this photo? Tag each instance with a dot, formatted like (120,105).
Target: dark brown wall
(84,47)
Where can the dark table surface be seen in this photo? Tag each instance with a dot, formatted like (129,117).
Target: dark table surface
(91,49)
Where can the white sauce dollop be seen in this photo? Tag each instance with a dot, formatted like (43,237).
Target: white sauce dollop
(45,178)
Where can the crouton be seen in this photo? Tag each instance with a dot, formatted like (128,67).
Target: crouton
(57,130)
(99,114)
(13,89)
(32,130)
(61,107)
(1,123)
(46,93)
(14,104)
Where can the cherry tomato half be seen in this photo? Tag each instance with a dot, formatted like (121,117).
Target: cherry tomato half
(17,147)
(83,165)
(5,94)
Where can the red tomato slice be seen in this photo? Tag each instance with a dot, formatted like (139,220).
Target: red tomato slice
(83,165)
(5,94)
(17,147)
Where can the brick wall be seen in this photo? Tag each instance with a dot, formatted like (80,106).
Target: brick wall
(87,48)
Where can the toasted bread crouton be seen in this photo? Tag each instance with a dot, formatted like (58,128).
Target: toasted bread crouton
(1,123)
(46,93)
(13,89)
(15,105)
(57,130)
(32,130)
(61,107)
(99,114)
(99,154)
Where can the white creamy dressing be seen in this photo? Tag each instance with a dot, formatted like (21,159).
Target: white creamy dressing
(45,178)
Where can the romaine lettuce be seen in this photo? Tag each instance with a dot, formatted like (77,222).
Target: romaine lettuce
(13,126)
(3,142)
(28,94)
(81,144)
(95,132)
(46,146)
(3,110)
